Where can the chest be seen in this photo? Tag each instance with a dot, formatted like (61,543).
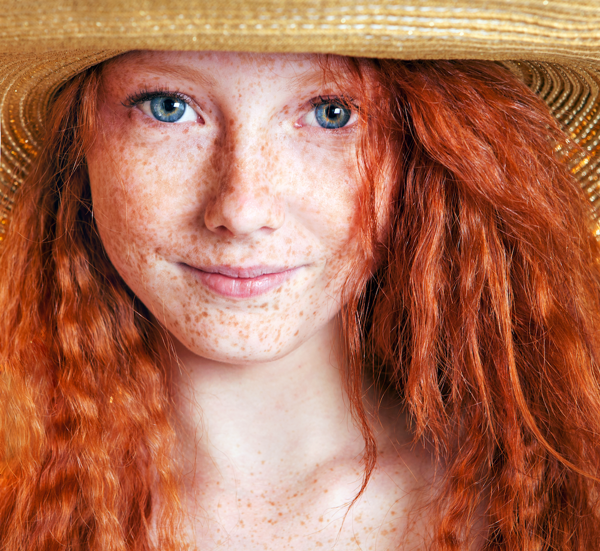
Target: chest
(317,517)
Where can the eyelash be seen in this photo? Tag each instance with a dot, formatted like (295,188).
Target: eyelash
(146,95)
(344,101)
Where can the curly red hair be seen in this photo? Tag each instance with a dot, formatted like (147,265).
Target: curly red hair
(483,315)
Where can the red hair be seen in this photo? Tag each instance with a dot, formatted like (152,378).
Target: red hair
(84,398)
(483,315)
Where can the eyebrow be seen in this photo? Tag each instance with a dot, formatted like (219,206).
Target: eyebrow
(320,78)
(310,77)
(180,72)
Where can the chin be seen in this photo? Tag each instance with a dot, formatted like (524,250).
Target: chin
(229,351)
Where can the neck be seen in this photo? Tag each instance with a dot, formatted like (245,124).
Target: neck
(265,421)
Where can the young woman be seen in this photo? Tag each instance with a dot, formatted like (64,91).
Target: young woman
(291,301)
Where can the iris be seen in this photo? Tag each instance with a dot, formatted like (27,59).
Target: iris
(332,115)
(167,109)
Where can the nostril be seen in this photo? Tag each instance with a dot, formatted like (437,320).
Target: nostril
(223,231)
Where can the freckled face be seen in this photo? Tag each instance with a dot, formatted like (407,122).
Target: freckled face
(225,190)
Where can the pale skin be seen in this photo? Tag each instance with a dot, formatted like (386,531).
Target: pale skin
(247,182)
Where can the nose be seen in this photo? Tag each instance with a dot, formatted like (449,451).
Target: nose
(245,199)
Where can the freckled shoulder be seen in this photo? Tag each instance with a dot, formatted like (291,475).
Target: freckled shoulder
(408,481)
(397,508)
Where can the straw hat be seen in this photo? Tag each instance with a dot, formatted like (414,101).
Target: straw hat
(553,45)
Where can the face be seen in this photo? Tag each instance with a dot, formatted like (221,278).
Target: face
(226,193)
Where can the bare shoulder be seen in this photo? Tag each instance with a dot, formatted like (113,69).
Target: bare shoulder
(396,509)
(403,496)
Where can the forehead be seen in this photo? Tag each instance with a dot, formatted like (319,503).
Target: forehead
(209,68)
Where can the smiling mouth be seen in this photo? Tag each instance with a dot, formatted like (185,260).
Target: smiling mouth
(234,282)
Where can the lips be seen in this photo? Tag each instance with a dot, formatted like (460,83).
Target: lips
(236,282)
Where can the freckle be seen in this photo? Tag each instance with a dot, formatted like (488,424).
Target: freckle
(320,519)
(296,333)
(301,313)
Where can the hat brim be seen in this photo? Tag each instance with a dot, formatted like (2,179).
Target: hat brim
(542,30)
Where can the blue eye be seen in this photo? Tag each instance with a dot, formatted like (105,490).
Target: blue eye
(332,115)
(167,109)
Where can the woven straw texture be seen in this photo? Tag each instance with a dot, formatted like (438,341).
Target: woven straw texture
(554,46)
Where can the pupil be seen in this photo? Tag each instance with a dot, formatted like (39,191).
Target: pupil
(169,105)
(333,112)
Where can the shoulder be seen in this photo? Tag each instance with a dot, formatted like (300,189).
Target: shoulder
(397,507)
(409,484)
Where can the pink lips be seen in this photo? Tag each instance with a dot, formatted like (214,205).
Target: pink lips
(242,282)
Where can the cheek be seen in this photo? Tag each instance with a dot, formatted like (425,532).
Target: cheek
(142,190)
(328,191)
(149,200)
